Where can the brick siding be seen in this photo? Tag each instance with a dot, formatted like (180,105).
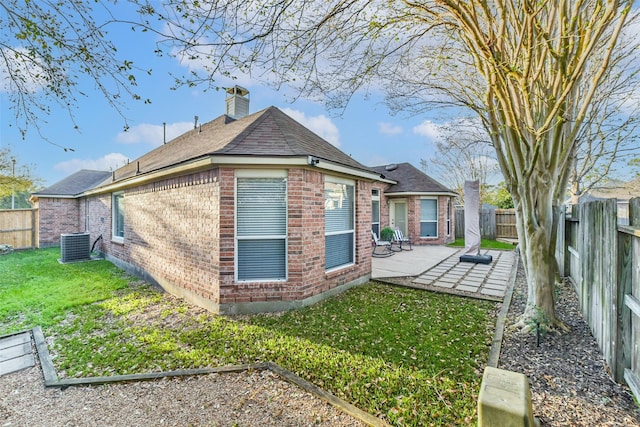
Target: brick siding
(56,217)
(181,233)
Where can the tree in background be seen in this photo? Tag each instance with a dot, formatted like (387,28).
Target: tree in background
(499,196)
(609,137)
(15,179)
(463,152)
(47,47)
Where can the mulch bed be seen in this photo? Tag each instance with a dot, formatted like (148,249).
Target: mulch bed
(569,379)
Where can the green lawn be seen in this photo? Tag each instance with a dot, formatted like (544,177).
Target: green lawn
(485,244)
(412,357)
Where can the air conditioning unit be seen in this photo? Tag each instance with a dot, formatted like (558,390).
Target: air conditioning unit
(75,247)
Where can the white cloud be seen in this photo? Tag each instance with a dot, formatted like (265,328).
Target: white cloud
(146,133)
(387,128)
(20,73)
(321,125)
(429,129)
(111,161)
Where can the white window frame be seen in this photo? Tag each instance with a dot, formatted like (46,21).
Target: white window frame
(449,208)
(375,197)
(261,173)
(348,182)
(430,220)
(114,216)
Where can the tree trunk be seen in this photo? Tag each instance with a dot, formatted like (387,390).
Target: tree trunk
(535,223)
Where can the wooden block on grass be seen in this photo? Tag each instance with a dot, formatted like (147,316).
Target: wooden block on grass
(504,400)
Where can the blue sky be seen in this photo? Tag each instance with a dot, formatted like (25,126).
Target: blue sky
(366,130)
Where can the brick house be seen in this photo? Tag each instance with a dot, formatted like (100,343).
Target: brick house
(246,213)
(415,203)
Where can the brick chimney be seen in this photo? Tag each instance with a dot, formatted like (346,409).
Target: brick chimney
(237,102)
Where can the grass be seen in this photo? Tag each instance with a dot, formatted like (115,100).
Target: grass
(409,356)
(36,290)
(485,244)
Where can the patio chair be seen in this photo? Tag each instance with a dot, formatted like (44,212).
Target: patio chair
(401,239)
(384,244)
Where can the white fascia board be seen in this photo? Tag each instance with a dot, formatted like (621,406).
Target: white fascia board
(421,193)
(203,163)
(55,196)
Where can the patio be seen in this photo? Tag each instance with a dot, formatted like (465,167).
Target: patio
(438,269)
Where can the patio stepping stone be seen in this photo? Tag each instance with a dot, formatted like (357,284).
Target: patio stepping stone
(467,288)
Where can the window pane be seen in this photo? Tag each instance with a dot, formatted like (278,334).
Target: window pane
(428,210)
(339,250)
(429,229)
(375,211)
(376,229)
(262,207)
(261,223)
(338,207)
(261,259)
(118,215)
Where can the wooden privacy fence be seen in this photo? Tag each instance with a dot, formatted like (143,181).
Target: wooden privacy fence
(602,259)
(494,223)
(19,228)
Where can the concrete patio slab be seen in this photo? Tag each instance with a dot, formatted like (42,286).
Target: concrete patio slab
(410,263)
(438,268)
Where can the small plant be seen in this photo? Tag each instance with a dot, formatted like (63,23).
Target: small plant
(387,234)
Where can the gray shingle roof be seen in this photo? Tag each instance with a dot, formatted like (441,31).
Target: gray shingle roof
(269,133)
(75,184)
(410,180)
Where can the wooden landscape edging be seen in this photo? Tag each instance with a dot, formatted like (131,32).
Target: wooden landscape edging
(51,379)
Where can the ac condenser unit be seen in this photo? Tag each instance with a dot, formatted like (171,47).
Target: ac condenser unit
(75,247)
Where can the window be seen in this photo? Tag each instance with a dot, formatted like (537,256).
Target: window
(118,216)
(449,217)
(375,212)
(429,218)
(339,208)
(261,225)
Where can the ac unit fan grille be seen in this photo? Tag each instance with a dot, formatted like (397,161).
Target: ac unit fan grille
(75,247)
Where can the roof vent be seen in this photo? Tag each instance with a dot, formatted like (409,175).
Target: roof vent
(237,102)
(391,167)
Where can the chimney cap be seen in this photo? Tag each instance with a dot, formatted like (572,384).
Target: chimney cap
(237,90)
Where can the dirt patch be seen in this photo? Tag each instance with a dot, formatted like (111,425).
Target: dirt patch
(569,381)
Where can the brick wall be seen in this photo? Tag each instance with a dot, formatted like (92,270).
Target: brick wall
(306,257)
(413,218)
(57,216)
(180,233)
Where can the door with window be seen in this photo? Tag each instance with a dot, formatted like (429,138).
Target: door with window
(398,215)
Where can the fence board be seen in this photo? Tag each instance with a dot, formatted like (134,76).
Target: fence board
(494,223)
(634,267)
(506,223)
(603,261)
(597,246)
(18,228)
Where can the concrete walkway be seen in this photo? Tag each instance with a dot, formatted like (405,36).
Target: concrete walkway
(438,268)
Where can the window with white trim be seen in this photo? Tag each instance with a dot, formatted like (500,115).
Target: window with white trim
(449,217)
(261,225)
(428,217)
(375,212)
(117,213)
(339,209)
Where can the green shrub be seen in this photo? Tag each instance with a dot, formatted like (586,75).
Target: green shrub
(387,234)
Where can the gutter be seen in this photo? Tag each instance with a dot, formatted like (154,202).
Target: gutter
(309,162)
